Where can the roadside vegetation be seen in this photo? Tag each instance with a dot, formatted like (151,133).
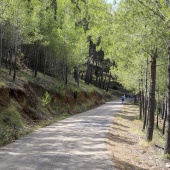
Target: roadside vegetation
(127,143)
(100,44)
(28,103)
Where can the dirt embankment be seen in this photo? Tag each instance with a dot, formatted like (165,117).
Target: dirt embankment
(28,100)
(31,102)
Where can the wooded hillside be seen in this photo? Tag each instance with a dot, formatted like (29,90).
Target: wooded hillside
(57,38)
(127,41)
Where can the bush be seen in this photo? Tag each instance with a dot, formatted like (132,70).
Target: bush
(11,117)
(11,124)
(46,99)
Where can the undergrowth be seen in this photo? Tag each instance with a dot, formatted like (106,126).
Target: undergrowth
(11,124)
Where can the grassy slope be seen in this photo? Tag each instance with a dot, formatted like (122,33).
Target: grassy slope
(128,146)
(29,103)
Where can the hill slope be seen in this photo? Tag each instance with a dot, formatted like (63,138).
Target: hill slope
(27,103)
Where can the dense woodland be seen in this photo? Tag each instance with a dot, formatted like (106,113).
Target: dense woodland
(56,37)
(128,41)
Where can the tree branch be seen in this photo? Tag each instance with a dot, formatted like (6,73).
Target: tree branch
(161,16)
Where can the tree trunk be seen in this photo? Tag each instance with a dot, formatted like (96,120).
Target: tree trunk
(55,9)
(78,77)
(10,62)
(66,73)
(101,75)
(15,56)
(45,62)
(96,72)
(63,69)
(1,48)
(34,57)
(140,100)
(165,117)
(87,72)
(36,65)
(157,120)
(104,82)
(158,107)
(8,52)
(37,46)
(145,98)
(143,102)
(163,109)
(151,113)
(148,108)
(108,84)
(91,74)
(167,143)
(97,80)
(15,63)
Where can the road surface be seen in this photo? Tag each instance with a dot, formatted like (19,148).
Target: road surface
(76,143)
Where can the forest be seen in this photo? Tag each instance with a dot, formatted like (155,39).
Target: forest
(127,40)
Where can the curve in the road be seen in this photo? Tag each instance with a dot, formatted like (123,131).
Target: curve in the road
(76,143)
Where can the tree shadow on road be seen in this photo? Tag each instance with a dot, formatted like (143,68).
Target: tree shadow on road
(122,144)
(119,139)
(123,165)
(129,117)
(118,124)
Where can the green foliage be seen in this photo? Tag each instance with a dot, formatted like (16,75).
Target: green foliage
(11,117)
(46,99)
(61,29)
(73,88)
(2,83)
(11,124)
(167,156)
(77,108)
(61,89)
(64,116)
(137,32)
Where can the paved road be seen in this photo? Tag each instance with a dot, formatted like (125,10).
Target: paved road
(76,143)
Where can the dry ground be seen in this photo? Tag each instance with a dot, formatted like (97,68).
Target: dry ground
(127,146)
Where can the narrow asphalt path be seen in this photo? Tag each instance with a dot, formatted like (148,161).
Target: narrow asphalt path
(76,143)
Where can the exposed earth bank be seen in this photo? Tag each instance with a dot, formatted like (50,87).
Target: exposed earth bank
(28,102)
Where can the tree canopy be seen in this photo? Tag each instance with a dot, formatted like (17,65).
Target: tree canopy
(128,38)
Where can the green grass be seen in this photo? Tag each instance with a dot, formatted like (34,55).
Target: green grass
(11,117)
(11,124)
(167,156)
(2,83)
(49,122)
(158,138)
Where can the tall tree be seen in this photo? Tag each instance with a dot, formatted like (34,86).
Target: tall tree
(167,144)
(138,34)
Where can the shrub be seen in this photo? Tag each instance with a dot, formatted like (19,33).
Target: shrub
(46,99)
(11,123)
(11,117)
